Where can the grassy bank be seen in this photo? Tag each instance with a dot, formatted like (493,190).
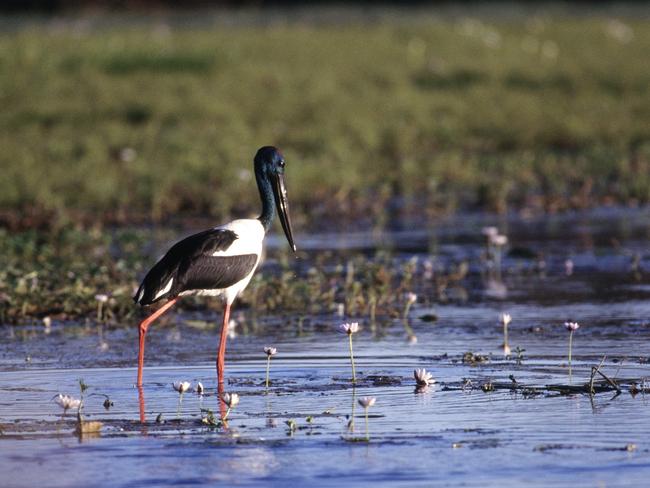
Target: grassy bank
(148,120)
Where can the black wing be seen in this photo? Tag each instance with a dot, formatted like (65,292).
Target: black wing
(213,272)
(191,265)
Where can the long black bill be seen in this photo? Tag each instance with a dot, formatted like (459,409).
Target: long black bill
(280,193)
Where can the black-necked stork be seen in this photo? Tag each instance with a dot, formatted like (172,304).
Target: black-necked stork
(221,260)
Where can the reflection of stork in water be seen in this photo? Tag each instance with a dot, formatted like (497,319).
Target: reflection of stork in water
(218,261)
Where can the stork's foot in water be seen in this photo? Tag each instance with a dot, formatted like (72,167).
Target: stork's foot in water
(222,404)
(221,352)
(143,419)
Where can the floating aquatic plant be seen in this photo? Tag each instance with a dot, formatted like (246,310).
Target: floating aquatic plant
(210,419)
(350,329)
(520,354)
(108,403)
(270,351)
(571,327)
(366,403)
(68,402)
(487,386)
(423,377)
(86,427)
(292,426)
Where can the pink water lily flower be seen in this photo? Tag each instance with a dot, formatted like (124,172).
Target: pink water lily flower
(367,402)
(181,386)
(349,328)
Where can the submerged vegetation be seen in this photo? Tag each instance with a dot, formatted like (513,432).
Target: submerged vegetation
(126,122)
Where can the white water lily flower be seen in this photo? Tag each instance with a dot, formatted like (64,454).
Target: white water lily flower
(230,399)
(411,298)
(67,401)
(199,388)
(489,231)
(367,402)
(423,378)
(181,386)
(571,326)
(270,351)
(428,269)
(568,267)
(505,318)
(127,154)
(232,329)
(349,329)
(499,240)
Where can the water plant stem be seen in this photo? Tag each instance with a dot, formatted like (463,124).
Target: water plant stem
(354,376)
(354,404)
(497,262)
(410,333)
(367,430)
(180,404)
(268,368)
(570,347)
(406,310)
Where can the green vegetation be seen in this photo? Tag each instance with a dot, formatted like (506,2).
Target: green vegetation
(138,122)
(71,275)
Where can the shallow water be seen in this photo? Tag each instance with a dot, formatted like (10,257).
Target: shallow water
(454,434)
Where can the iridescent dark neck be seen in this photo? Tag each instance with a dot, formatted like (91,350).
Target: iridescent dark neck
(268,204)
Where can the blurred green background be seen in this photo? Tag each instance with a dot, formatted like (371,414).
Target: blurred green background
(135,118)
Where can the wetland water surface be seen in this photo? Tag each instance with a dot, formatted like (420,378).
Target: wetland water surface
(492,422)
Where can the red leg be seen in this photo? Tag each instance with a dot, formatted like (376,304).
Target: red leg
(141,403)
(143,333)
(221,355)
(222,405)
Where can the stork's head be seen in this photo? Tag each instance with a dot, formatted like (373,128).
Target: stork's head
(269,167)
